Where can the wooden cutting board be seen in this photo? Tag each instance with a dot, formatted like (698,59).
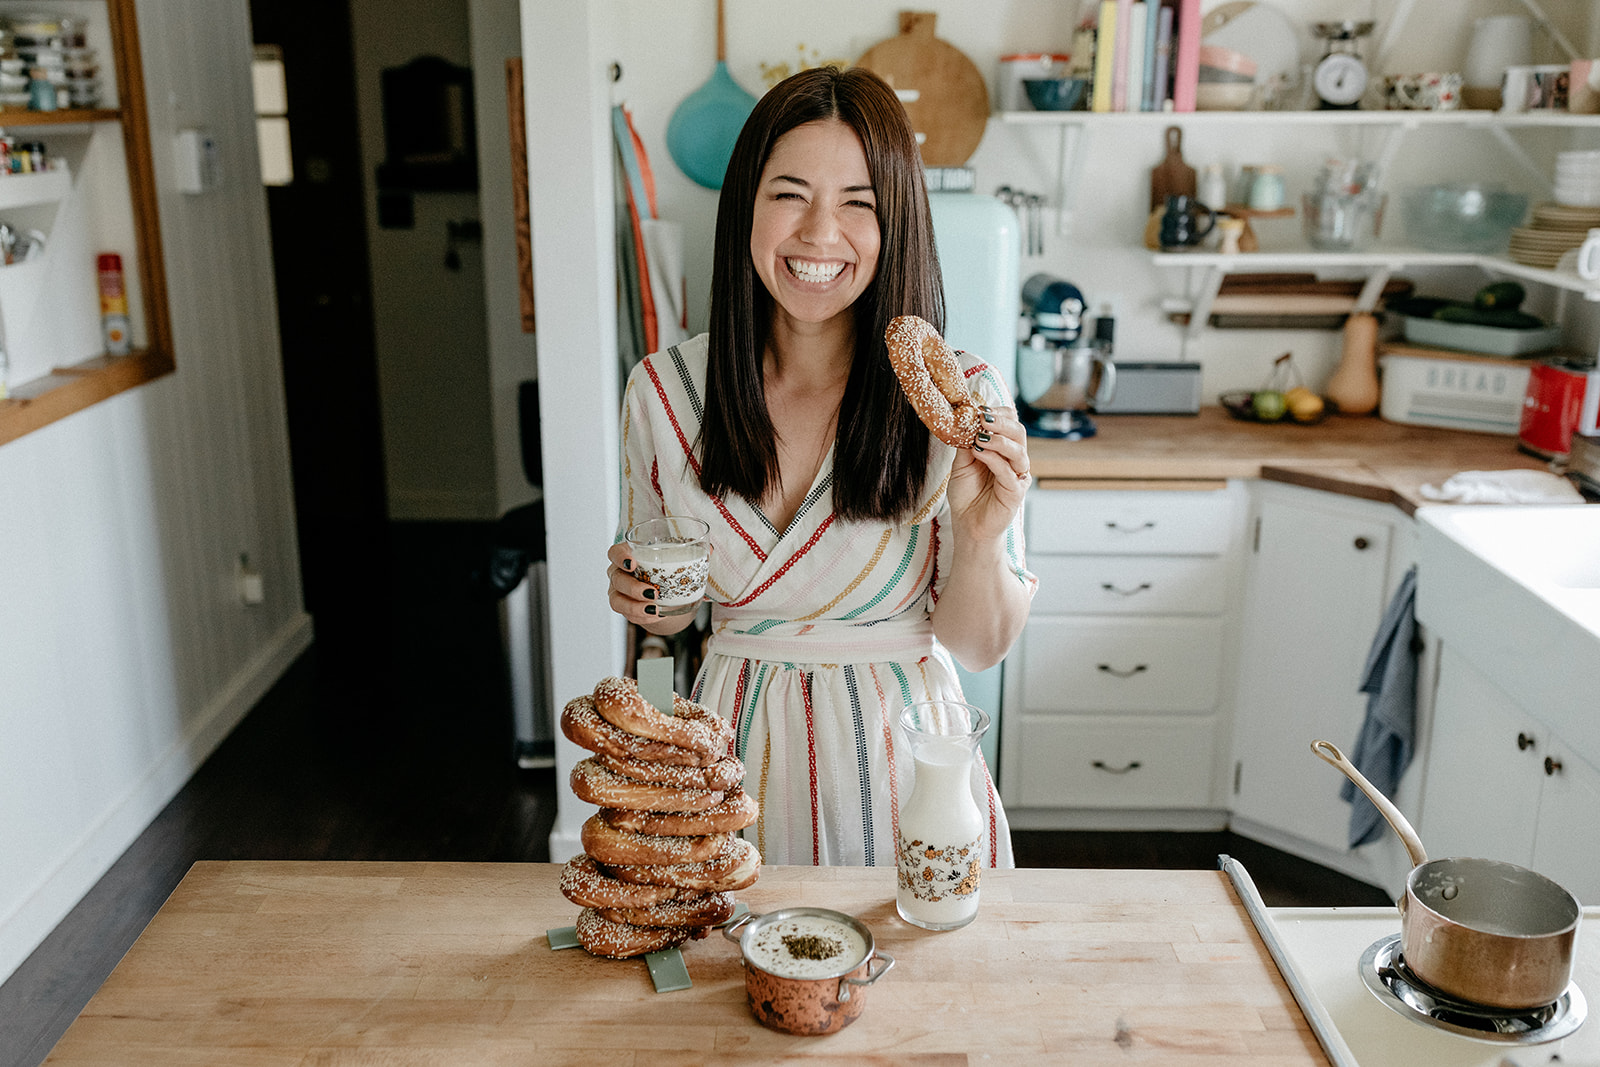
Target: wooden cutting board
(289,962)
(1172,176)
(952,104)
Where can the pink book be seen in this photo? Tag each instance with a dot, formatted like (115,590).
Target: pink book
(1119,64)
(1186,56)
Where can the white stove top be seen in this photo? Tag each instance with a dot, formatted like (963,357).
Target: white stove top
(1326,945)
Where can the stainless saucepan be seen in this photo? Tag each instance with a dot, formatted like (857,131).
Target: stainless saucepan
(1488,933)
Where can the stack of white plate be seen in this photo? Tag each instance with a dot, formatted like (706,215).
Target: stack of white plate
(1553,229)
(1578,178)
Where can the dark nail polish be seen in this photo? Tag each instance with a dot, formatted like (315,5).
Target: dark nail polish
(649,594)
(977,448)
(649,609)
(985,436)
(988,416)
(627,564)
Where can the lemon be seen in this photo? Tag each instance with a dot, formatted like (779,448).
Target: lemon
(1303,404)
(1269,405)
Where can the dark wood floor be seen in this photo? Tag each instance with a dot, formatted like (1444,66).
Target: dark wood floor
(391,740)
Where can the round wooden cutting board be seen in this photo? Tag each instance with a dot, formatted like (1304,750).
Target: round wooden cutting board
(952,103)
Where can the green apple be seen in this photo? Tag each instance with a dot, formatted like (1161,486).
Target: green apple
(1269,405)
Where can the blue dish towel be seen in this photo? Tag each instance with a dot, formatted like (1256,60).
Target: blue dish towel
(1383,750)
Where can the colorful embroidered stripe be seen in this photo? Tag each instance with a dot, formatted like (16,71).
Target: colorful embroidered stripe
(790,562)
(899,572)
(877,554)
(863,770)
(684,379)
(811,761)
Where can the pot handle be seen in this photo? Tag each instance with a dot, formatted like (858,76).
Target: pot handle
(872,976)
(731,930)
(1328,752)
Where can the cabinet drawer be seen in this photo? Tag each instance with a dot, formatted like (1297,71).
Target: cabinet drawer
(1129,585)
(1132,665)
(1151,521)
(1116,763)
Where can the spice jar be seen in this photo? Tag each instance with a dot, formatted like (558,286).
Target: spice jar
(1266,189)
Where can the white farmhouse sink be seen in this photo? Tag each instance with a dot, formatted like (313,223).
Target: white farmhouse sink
(1517,589)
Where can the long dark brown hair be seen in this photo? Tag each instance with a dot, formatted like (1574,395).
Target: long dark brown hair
(880,447)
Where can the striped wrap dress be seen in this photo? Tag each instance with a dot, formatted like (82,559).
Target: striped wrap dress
(819,633)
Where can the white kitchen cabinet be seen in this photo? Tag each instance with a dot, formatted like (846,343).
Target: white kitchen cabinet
(1113,694)
(1319,570)
(1502,785)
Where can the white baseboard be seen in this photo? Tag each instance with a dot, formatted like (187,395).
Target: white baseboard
(126,817)
(1193,820)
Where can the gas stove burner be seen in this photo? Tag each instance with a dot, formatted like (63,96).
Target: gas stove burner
(1391,981)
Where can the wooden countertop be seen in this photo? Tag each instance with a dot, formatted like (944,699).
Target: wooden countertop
(409,963)
(1357,456)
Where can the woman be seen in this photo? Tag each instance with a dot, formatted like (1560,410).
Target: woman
(852,552)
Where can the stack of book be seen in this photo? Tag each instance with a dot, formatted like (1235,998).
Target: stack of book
(1143,55)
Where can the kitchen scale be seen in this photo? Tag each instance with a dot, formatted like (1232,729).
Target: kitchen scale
(1340,76)
(1385,973)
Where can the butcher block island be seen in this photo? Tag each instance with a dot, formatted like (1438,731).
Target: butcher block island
(260,963)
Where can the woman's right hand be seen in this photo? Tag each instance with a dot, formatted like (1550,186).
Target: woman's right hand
(634,599)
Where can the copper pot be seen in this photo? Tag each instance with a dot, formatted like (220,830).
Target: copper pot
(1485,932)
(815,992)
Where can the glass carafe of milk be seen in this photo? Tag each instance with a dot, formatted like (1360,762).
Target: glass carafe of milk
(941,829)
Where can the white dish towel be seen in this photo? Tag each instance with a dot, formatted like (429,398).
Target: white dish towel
(1504,487)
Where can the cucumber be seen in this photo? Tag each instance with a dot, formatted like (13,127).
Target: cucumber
(1507,296)
(1505,319)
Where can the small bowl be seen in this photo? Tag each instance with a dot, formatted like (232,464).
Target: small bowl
(1224,96)
(1056,94)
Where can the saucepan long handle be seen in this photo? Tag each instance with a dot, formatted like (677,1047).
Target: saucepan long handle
(1328,752)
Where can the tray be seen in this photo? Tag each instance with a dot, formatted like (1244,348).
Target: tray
(1470,337)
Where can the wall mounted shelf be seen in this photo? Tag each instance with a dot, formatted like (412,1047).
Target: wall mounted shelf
(74,382)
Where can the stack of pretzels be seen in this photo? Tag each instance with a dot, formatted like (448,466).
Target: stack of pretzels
(661,858)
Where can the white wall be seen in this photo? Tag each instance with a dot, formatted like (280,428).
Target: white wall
(496,37)
(125,654)
(432,339)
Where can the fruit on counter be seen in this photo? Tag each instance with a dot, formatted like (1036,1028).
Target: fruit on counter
(1303,404)
(1269,405)
(1505,296)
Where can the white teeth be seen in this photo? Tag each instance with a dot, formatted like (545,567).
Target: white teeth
(814,272)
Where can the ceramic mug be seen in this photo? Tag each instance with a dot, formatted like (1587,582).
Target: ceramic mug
(1423,92)
(1185,222)
(1583,90)
(1589,257)
(1536,87)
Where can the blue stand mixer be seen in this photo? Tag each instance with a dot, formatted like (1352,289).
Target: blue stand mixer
(1058,374)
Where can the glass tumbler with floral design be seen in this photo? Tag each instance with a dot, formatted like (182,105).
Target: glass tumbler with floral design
(941,829)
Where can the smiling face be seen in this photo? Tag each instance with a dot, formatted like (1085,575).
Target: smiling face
(814,237)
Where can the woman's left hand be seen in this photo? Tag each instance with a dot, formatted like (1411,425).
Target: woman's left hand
(989,480)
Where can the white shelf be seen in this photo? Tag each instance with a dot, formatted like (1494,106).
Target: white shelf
(1378,265)
(1406,119)
(45,187)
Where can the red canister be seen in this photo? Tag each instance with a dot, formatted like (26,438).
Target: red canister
(1561,400)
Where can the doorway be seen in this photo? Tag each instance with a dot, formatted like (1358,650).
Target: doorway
(321,268)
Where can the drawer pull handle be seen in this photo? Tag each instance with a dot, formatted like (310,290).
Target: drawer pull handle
(1141,587)
(1114,525)
(1109,669)
(1525,742)
(1100,765)
(1552,766)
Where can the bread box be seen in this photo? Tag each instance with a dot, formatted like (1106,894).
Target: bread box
(1452,390)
